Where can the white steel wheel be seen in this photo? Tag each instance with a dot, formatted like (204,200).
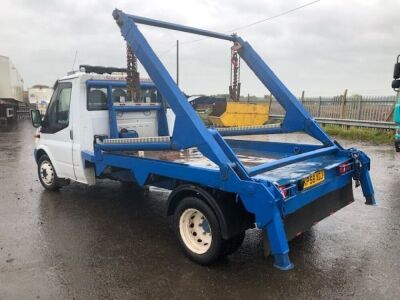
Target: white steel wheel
(46,173)
(195,231)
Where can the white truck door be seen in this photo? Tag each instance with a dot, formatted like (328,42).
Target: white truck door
(56,132)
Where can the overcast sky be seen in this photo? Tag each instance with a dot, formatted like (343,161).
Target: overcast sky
(322,49)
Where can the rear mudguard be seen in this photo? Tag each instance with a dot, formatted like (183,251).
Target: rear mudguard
(231,214)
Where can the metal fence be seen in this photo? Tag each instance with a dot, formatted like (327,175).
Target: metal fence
(368,108)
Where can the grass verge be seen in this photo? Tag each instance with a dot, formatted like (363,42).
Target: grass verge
(376,136)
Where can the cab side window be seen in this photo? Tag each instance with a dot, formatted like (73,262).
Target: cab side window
(57,116)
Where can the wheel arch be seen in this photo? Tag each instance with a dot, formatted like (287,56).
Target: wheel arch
(230,212)
(39,153)
(43,150)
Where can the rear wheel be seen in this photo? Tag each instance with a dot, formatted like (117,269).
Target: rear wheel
(47,174)
(198,231)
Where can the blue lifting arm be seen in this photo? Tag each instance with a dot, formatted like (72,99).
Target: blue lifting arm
(296,119)
(191,131)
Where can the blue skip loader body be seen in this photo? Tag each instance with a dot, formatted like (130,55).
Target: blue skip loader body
(273,194)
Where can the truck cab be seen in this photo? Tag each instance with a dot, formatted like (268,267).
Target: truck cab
(79,111)
(396,113)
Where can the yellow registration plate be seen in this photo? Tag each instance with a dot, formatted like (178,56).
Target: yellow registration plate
(314,179)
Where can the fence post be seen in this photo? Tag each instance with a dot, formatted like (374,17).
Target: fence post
(302,97)
(319,107)
(359,107)
(343,104)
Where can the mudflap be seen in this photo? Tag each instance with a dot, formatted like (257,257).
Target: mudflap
(307,216)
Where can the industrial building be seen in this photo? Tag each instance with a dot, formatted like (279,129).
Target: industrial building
(11,90)
(39,96)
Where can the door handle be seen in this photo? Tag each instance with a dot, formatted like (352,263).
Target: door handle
(71,134)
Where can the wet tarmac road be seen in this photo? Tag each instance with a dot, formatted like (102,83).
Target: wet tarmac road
(105,243)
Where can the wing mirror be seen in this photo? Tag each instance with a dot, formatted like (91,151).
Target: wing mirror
(36,118)
(396,71)
(396,84)
(396,75)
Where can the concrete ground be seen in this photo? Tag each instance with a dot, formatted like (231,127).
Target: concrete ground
(103,243)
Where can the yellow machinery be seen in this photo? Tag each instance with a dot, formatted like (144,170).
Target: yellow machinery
(234,113)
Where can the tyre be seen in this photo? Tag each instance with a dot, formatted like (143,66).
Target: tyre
(198,231)
(132,186)
(234,243)
(47,174)
(397,146)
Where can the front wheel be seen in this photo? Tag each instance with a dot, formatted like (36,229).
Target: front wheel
(198,231)
(47,174)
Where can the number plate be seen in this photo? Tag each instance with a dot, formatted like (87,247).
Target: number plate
(314,179)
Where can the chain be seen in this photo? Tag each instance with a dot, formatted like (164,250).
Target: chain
(234,88)
(132,76)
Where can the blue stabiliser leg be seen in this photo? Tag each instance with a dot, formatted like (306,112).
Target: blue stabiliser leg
(367,188)
(278,243)
(361,176)
(262,200)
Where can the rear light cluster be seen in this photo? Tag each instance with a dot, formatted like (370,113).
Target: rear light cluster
(343,168)
(283,190)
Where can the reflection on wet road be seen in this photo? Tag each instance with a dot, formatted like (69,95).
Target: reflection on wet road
(105,242)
